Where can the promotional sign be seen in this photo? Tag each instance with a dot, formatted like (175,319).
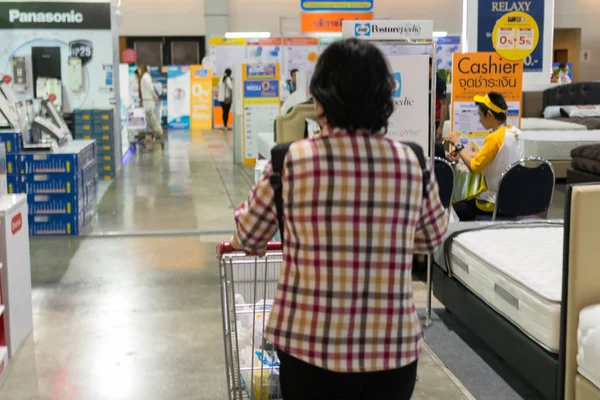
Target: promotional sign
(388,30)
(265,50)
(490,12)
(77,31)
(562,73)
(226,53)
(410,121)
(337,5)
(261,104)
(201,98)
(515,35)
(444,51)
(179,97)
(160,80)
(478,74)
(329,22)
(300,54)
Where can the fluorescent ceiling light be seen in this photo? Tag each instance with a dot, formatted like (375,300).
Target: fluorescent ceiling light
(440,34)
(247,35)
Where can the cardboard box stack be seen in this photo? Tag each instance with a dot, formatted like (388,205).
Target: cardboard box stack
(98,125)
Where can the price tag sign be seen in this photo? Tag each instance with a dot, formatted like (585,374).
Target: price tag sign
(516,36)
(525,38)
(82,49)
(505,39)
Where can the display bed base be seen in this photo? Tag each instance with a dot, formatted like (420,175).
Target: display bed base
(538,366)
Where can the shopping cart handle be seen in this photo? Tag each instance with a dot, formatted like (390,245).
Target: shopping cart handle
(227,248)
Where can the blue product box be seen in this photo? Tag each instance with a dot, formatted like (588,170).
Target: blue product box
(107,157)
(105,149)
(106,168)
(56,225)
(12,164)
(90,193)
(102,128)
(12,142)
(103,140)
(55,204)
(13,183)
(68,159)
(103,115)
(82,116)
(83,129)
(59,183)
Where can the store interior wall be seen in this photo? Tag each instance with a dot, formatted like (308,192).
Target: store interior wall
(567,42)
(162,18)
(582,14)
(253,15)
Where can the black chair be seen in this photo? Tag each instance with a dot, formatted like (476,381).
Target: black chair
(444,174)
(524,190)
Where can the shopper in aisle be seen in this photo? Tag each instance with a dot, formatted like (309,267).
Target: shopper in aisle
(149,100)
(355,210)
(225,96)
(502,148)
(292,83)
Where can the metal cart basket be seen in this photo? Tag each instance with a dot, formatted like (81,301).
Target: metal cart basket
(248,285)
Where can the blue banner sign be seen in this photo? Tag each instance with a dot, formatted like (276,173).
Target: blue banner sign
(490,11)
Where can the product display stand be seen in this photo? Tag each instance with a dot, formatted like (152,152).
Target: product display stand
(15,275)
(405,43)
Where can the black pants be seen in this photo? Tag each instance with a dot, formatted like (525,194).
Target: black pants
(226,108)
(302,381)
(467,210)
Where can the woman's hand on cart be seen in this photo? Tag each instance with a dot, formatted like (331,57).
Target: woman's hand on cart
(233,246)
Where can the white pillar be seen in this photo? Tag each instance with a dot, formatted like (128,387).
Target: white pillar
(532,81)
(216,13)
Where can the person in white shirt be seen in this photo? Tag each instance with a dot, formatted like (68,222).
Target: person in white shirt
(226,96)
(149,100)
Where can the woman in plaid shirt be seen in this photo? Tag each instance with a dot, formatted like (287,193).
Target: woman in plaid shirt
(344,321)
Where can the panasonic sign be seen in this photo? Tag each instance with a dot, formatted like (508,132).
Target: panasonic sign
(55,15)
(71,17)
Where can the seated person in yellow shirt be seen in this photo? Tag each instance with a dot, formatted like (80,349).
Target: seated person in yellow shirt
(502,148)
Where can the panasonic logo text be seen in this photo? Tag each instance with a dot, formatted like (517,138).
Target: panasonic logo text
(71,17)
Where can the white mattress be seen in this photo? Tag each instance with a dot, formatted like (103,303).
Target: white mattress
(588,340)
(518,273)
(557,145)
(539,124)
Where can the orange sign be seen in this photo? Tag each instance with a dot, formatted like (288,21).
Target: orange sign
(201,98)
(477,74)
(301,41)
(330,22)
(274,41)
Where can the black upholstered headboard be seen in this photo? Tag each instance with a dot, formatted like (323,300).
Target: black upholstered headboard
(573,94)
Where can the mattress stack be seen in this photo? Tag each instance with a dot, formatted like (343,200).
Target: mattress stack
(588,340)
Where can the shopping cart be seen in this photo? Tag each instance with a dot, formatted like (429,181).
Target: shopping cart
(248,285)
(137,127)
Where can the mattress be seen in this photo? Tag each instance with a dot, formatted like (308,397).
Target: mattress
(518,273)
(590,123)
(557,145)
(539,124)
(588,341)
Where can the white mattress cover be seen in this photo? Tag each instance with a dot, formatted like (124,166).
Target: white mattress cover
(588,340)
(538,124)
(521,264)
(557,145)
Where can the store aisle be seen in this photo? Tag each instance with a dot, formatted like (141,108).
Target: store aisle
(192,185)
(130,316)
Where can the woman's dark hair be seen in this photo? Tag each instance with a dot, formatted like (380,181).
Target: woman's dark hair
(354,85)
(499,101)
(227,74)
(562,65)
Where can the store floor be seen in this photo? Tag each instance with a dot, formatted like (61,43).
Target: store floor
(133,311)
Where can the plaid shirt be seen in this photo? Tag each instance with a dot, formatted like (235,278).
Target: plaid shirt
(354,215)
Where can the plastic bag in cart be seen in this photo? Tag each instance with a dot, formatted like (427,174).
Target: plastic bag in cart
(136,119)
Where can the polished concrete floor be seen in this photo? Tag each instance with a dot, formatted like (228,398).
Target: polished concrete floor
(133,310)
